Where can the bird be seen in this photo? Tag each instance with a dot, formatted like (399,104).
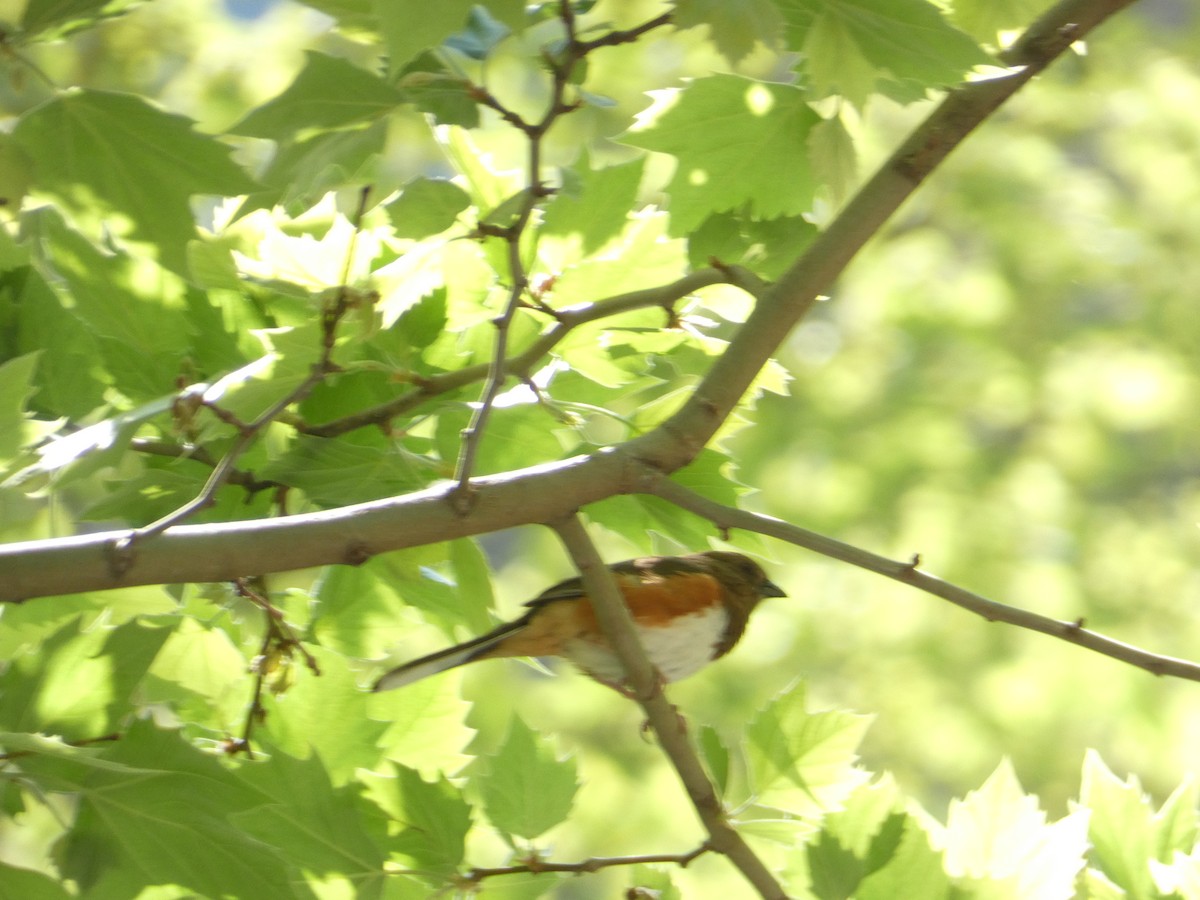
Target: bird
(688,611)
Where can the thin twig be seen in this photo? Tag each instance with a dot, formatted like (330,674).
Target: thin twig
(255,712)
(278,641)
(239,477)
(537,866)
(512,233)
(613,38)
(523,363)
(562,67)
(646,688)
(82,742)
(908,573)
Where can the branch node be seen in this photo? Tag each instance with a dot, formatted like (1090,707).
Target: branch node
(462,498)
(120,554)
(357,554)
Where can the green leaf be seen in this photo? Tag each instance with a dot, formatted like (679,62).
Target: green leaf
(594,203)
(766,247)
(55,747)
(805,758)
(27,625)
(640,515)
(516,435)
(473,579)
(734,26)
(318,828)
(997,835)
(406,34)
(326,715)
(90,448)
(432,818)
(833,155)
(1176,823)
(422,323)
(426,207)
(180,801)
(146,497)
(1122,827)
(64,689)
(442,92)
(648,256)
(16,173)
(133,647)
(906,39)
(913,866)
(985,19)
(716,757)
(364,610)
(131,307)
(737,142)
(526,788)
(200,670)
(710,475)
(1179,877)
(426,727)
(80,683)
(24,884)
(303,170)
(337,473)
(360,611)
(870,846)
(17,430)
(142,163)
(45,19)
(329,92)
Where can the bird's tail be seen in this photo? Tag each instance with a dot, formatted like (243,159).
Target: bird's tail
(442,660)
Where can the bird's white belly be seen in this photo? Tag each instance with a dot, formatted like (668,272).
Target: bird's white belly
(677,651)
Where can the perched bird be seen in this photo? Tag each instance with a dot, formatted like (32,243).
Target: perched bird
(689,610)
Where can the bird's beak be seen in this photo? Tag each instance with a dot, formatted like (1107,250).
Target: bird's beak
(770,589)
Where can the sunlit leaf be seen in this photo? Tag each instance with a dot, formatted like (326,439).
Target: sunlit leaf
(137,160)
(430,819)
(527,789)
(329,92)
(735,27)
(736,141)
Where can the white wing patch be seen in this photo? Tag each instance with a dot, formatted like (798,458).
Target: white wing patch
(678,651)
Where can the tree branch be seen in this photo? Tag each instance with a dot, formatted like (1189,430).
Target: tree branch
(647,689)
(908,573)
(544,493)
